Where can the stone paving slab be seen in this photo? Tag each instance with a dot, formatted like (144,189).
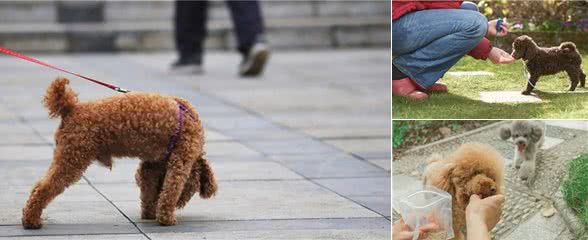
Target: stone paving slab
(359,234)
(362,145)
(115,231)
(508,97)
(21,152)
(383,163)
(228,148)
(123,171)
(17,195)
(579,125)
(334,228)
(98,211)
(22,172)
(291,146)
(345,132)
(369,186)
(329,166)
(254,199)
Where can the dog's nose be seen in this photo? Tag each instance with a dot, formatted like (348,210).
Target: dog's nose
(520,142)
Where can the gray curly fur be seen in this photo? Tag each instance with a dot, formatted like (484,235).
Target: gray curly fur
(531,135)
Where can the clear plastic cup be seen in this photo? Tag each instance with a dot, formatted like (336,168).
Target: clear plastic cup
(431,205)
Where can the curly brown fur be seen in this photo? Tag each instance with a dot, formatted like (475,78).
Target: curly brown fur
(547,61)
(471,169)
(528,137)
(128,125)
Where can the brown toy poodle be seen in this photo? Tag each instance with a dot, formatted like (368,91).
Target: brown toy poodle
(471,169)
(165,133)
(547,61)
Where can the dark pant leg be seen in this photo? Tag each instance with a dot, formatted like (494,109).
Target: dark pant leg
(190,29)
(248,23)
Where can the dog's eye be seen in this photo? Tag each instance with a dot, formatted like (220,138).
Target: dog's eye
(525,135)
(516,135)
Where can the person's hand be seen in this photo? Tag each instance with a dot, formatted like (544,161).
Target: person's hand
(499,56)
(401,231)
(492,28)
(487,210)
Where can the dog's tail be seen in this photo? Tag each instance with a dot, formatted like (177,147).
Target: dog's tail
(201,180)
(59,99)
(568,46)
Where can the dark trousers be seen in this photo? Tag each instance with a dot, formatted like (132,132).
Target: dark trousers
(190,26)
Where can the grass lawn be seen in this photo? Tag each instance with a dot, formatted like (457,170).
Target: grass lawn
(575,187)
(463,99)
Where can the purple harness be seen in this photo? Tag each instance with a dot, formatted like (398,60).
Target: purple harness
(173,140)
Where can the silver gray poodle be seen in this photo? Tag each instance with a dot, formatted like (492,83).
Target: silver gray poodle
(528,137)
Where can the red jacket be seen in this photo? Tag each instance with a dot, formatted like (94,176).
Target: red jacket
(401,7)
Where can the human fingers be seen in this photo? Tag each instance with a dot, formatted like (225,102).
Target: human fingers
(429,227)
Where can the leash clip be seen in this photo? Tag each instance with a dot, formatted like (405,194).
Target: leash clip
(121,90)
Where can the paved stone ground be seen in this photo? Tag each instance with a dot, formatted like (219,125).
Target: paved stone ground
(522,216)
(300,153)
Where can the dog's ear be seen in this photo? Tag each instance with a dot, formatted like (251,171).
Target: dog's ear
(530,49)
(536,133)
(505,132)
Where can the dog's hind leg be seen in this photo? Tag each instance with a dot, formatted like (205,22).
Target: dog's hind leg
(582,78)
(575,77)
(149,178)
(67,168)
(179,167)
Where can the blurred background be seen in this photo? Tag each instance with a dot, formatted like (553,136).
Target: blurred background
(547,22)
(107,26)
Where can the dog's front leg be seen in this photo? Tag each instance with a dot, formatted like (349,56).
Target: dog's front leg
(527,171)
(64,171)
(518,159)
(530,85)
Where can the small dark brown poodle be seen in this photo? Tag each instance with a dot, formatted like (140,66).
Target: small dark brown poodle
(165,133)
(547,61)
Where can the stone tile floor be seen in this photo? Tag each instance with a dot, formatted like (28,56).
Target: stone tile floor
(302,152)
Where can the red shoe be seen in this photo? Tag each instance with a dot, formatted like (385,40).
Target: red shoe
(438,87)
(407,88)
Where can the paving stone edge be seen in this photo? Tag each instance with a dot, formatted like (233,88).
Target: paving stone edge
(418,148)
(570,218)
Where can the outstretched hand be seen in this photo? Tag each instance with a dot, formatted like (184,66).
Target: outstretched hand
(499,56)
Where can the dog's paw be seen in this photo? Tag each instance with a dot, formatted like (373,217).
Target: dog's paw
(148,215)
(166,220)
(32,223)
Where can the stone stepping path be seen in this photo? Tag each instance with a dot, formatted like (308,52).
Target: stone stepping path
(522,211)
(508,97)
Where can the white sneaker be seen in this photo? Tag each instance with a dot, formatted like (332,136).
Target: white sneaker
(255,61)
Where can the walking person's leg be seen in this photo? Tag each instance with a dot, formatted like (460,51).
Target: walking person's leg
(190,32)
(427,43)
(251,43)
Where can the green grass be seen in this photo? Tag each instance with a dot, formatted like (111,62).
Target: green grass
(575,187)
(463,99)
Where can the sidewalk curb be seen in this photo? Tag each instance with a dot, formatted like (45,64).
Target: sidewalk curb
(418,148)
(569,217)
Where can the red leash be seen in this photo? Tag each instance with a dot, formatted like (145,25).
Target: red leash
(30,59)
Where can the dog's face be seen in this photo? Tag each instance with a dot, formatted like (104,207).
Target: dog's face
(523,133)
(521,47)
(482,186)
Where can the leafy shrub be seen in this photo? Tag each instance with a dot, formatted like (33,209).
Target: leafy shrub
(550,15)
